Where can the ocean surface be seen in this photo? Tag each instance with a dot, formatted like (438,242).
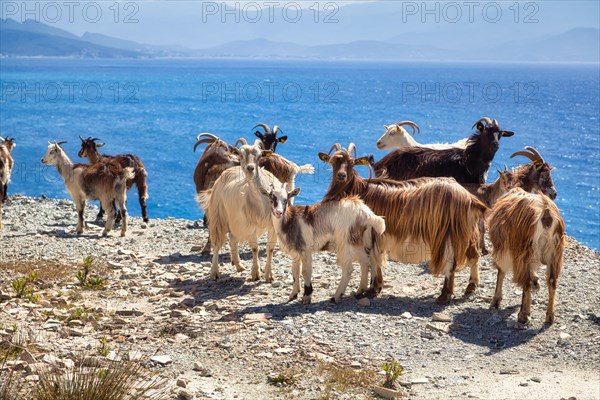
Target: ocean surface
(155,108)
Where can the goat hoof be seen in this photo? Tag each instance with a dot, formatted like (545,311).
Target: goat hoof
(292,297)
(122,233)
(239,268)
(306,299)
(360,294)
(373,292)
(495,303)
(523,318)
(471,288)
(549,318)
(444,298)
(146,219)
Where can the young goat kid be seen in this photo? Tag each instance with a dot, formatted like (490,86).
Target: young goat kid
(527,231)
(236,206)
(304,230)
(104,181)
(6,166)
(89,149)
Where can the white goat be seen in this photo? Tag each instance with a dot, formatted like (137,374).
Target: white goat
(396,137)
(303,230)
(104,181)
(235,206)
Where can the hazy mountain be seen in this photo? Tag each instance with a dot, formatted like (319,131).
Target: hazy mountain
(22,43)
(36,39)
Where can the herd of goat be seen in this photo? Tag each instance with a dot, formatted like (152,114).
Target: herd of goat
(427,203)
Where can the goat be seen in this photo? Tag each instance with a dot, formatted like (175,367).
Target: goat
(468,165)
(216,158)
(236,206)
(6,166)
(8,144)
(535,176)
(89,149)
(104,180)
(527,230)
(396,137)
(269,139)
(303,230)
(431,220)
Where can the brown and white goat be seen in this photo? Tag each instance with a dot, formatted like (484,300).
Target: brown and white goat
(304,230)
(104,181)
(431,220)
(89,149)
(6,166)
(527,231)
(466,165)
(236,206)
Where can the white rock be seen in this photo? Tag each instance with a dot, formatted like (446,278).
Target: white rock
(365,302)
(162,360)
(406,315)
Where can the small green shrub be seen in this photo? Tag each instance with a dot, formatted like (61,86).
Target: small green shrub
(85,277)
(392,371)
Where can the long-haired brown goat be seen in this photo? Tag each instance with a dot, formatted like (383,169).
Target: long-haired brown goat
(527,231)
(431,220)
(89,149)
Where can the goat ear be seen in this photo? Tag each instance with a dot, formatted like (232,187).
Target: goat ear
(282,139)
(386,127)
(259,135)
(362,161)
(267,153)
(100,144)
(324,157)
(234,150)
(480,126)
(507,133)
(294,193)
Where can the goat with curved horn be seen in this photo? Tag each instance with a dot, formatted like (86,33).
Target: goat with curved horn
(529,154)
(484,119)
(415,128)
(352,148)
(336,146)
(265,127)
(276,129)
(205,134)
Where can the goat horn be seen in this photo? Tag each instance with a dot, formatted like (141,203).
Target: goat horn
(336,146)
(415,127)
(525,154)
(210,135)
(535,152)
(82,139)
(484,119)
(505,168)
(265,127)
(351,148)
(276,129)
(242,141)
(61,142)
(199,142)
(93,139)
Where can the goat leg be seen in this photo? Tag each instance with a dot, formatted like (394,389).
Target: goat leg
(296,276)
(525,311)
(80,205)
(498,293)
(255,266)
(271,242)
(235,253)
(307,276)
(448,288)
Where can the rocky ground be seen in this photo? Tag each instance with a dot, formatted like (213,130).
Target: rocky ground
(240,339)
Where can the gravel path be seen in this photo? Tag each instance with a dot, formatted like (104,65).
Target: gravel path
(225,339)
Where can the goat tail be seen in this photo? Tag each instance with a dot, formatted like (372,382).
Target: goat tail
(305,169)
(125,175)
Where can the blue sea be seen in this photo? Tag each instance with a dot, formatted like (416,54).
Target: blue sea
(155,108)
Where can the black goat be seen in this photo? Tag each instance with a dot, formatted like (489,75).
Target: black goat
(468,165)
(269,139)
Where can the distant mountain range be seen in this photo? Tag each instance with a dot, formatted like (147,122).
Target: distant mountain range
(35,39)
